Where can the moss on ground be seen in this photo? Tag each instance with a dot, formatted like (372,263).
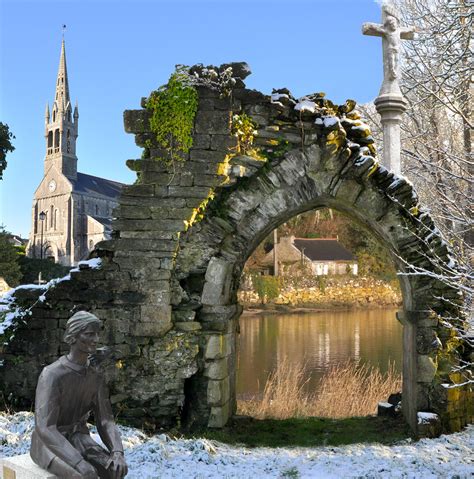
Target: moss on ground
(309,432)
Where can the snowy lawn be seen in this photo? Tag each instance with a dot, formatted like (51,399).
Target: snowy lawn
(161,457)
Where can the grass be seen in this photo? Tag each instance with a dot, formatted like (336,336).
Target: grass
(309,432)
(286,415)
(346,390)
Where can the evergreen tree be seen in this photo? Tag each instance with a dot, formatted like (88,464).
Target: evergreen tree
(9,267)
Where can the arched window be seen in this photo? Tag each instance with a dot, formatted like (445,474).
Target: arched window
(50,142)
(69,116)
(56,140)
(54,115)
(97,210)
(46,221)
(51,216)
(55,219)
(91,245)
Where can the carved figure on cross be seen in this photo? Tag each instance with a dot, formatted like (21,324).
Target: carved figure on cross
(391,34)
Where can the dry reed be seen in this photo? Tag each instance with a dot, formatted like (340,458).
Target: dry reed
(347,389)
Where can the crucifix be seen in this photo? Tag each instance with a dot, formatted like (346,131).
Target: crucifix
(390,103)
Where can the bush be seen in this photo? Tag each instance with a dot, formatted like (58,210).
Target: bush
(9,267)
(31,267)
(267,287)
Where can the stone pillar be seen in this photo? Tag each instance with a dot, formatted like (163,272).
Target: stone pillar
(390,108)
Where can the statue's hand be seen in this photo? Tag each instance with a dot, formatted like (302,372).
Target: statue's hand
(117,465)
(86,470)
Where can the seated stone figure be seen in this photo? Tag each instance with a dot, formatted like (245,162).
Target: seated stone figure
(68,391)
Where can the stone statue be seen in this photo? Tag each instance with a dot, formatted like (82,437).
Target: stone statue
(68,391)
(392,34)
(390,103)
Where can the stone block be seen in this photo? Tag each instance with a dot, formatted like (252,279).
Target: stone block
(218,346)
(218,392)
(217,286)
(212,122)
(220,415)
(188,326)
(189,192)
(218,369)
(207,156)
(426,369)
(22,467)
(136,121)
(223,142)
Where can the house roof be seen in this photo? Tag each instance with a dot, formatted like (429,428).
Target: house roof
(93,185)
(317,249)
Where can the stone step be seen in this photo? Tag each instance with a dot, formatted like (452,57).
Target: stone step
(22,467)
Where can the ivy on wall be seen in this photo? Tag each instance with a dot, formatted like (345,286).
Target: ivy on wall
(173,107)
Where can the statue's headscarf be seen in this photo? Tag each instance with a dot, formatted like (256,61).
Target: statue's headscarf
(77,323)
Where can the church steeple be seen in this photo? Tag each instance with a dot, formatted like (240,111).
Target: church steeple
(62,126)
(62,85)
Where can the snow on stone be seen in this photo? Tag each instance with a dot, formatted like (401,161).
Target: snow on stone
(327,121)
(276,97)
(426,417)
(161,456)
(94,263)
(306,105)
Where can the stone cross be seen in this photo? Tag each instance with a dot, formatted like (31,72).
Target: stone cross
(390,103)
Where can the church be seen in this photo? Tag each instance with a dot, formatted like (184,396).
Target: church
(72,211)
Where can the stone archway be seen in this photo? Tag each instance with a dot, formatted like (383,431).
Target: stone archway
(166,287)
(300,182)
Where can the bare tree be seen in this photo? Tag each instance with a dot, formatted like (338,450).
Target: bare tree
(437,133)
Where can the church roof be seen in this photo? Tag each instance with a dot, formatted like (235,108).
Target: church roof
(106,222)
(323,249)
(93,185)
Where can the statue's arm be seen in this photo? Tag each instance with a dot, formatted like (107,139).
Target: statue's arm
(47,406)
(373,29)
(104,418)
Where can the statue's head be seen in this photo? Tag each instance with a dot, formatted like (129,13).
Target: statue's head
(391,14)
(79,322)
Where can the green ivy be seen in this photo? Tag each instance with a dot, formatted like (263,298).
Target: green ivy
(173,108)
(245,129)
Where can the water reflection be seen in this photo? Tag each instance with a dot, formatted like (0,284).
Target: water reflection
(319,340)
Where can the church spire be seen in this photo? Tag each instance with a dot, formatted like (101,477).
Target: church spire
(62,86)
(62,126)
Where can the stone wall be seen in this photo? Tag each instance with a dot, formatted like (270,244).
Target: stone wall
(167,286)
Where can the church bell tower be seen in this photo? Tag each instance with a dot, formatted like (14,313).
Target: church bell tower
(61,126)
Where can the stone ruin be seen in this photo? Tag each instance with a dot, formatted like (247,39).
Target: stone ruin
(167,283)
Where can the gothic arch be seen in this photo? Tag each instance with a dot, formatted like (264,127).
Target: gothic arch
(212,256)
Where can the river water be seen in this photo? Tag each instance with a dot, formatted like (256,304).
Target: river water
(319,340)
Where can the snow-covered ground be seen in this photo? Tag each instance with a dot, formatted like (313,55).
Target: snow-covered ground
(161,457)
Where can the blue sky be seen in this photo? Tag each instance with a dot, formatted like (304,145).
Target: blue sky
(119,51)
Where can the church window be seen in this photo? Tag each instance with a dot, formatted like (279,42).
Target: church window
(96,209)
(54,115)
(50,142)
(51,217)
(56,140)
(69,116)
(55,219)
(91,245)
(46,221)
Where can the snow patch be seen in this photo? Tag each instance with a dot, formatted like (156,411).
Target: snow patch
(161,456)
(327,121)
(306,105)
(426,417)
(276,97)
